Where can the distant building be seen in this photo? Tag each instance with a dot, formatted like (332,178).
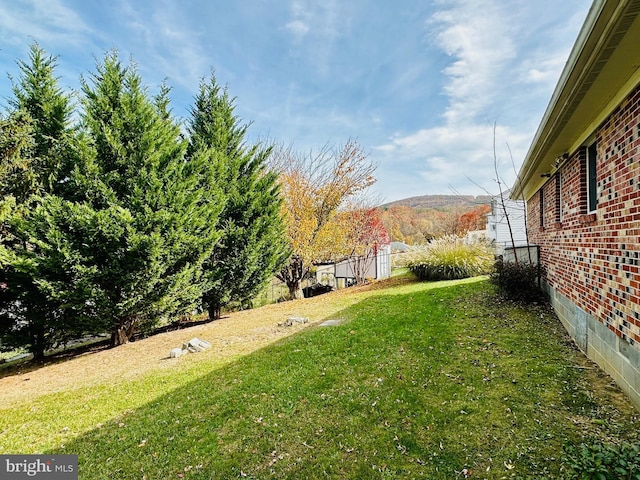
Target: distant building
(505,233)
(376,265)
(399,247)
(473,236)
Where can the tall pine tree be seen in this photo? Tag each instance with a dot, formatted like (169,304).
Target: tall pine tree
(38,93)
(36,143)
(165,208)
(126,248)
(253,245)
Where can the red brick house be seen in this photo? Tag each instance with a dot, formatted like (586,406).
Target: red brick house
(581,182)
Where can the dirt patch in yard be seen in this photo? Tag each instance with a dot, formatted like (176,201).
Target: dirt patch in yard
(237,334)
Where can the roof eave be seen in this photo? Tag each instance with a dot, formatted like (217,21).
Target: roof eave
(595,46)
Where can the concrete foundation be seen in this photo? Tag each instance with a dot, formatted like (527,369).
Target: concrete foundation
(614,355)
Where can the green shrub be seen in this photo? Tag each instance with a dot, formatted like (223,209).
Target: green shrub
(517,282)
(603,461)
(451,258)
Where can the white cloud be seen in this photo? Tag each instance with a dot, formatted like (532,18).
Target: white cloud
(45,21)
(477,38)
(470,144)
(541,68)
(443,157)
(169,44)
(461,147)
(488,80)
(320,24)
(546,71)
(298,28)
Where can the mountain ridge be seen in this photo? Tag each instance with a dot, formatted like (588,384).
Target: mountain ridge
(439,202)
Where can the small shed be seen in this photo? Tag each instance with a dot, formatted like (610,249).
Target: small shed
(376,265)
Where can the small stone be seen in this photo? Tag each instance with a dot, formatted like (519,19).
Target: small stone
(293,319)
(196,345)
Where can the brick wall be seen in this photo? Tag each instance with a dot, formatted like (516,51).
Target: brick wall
(594,259)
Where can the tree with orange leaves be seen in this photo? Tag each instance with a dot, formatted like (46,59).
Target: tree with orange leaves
(315,189)
(365,234)
(475,219)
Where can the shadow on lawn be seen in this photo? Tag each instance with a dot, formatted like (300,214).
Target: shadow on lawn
(403,388)
(26,364)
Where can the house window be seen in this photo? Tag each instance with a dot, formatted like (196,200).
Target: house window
(592,184)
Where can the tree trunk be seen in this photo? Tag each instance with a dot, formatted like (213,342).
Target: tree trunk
(502,202)
(38,346)
(124,331)
(292,274)
(212,302)
(295,289)
(214,310)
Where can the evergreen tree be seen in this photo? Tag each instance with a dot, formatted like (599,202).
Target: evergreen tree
(164,208)
(253,245)
(32,314)
(121,244)
(35,143)
(17,178)
(38,94)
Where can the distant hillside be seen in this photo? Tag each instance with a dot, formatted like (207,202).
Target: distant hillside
(417,220)
(441,202)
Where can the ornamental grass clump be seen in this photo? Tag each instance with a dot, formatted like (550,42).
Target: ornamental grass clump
(451,258)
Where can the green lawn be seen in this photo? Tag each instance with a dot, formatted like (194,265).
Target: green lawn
(422,380)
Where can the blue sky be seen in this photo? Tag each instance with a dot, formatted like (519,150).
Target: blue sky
(420,84)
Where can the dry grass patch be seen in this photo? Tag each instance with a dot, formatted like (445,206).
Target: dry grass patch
(236,334)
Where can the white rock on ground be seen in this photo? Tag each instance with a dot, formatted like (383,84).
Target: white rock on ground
(293,319)
(197,345)
(194,345)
